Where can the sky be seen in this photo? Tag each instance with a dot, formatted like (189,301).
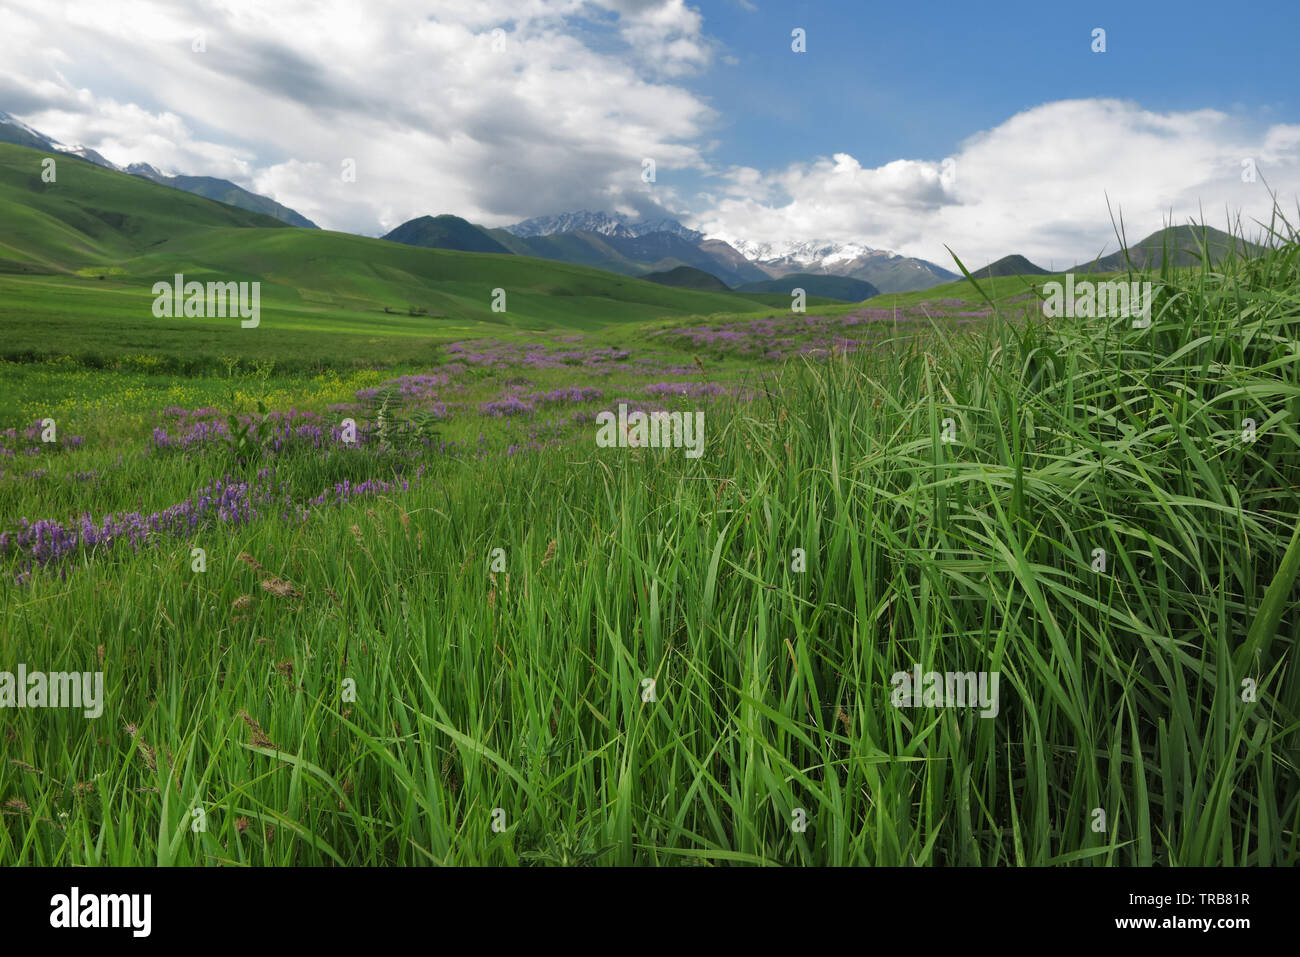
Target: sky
(985,129)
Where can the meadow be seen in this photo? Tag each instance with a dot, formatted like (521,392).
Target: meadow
(363,588)
(467,635)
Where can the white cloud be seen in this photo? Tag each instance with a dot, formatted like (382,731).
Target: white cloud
(1037,184)
(438,117)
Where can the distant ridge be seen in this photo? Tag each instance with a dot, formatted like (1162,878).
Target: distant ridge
(688,277)
(618,249)
(223,191)
(822,286)
(445,232)
(1185,242)
(886,271)
(1013,265)
(128,232)
(603,224)
(15,131)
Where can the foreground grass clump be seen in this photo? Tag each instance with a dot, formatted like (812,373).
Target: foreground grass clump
(378,685)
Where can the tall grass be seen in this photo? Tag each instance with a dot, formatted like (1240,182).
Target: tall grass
(524,690)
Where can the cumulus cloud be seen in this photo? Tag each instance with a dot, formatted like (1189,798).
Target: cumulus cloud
(1037,184)
(498,110)
(492,109)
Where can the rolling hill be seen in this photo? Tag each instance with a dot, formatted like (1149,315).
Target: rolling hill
(125,233)
(16,132)
(445,232)
(688,277)
(93,216)
(1185,242)
(827,287)
(1013,265)
(224,191)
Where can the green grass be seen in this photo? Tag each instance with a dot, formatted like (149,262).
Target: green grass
(521,689)
(79,258)
(91,215)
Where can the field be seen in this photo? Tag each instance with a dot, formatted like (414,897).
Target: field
(471,635)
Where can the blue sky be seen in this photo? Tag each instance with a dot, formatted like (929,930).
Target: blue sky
(884,80)
(992,128)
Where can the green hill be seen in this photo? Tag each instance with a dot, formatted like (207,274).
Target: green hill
(224,191)
(445,232)
(1186,244)
(688,277)
(827,287)
(79,257)
(654,252)
(579,248)
(91,216)
(1013,265)
(343,271)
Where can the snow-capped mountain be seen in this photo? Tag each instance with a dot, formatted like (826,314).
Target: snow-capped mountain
(26,136)
(8,120)
(14,130)
(604,224)
(145,170)
(800,255)
(740,261)
(643,227)
(887,271)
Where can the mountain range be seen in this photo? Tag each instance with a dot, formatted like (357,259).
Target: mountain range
(19,133)
(1184,244)
(604,224)
(742,262)
(887,271)
(597,240)
(639,248)
(661,246)
(85,253)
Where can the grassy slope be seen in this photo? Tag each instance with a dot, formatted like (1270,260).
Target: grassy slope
(688,277)
(1119,691)
(91,216)
(94,222)
(839,288)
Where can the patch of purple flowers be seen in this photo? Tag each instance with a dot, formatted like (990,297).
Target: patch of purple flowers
(558,396)
(507,406)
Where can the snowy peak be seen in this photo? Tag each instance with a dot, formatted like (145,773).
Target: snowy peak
(13,130)
(583,220)
(24,135)
(87,154)
(665,226)
(810,252)
(617,225)
(887,271)
(8,120)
